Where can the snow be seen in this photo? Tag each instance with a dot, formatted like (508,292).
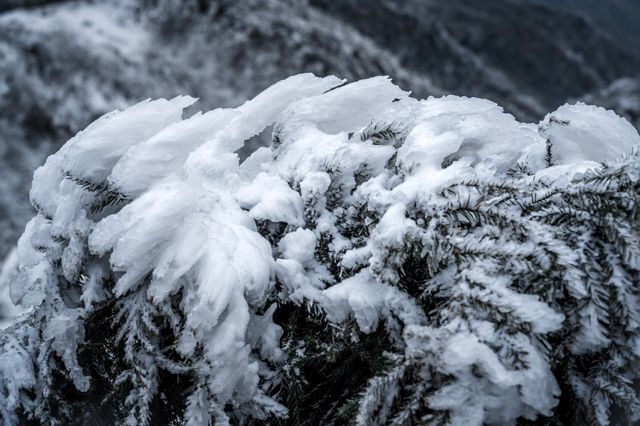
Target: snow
(587,133)
(93,152)
(360,296)
(8,310)
(271,198)
(299,285)
(365,299)
(528,308)
(27,288)
(17,372)
(456,133)
(347,108)
(298,245)
(257,114)
(462,351)
(148,161)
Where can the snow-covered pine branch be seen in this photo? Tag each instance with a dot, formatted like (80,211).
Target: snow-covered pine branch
(386,261)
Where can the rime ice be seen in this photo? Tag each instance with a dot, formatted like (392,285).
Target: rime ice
(368,206)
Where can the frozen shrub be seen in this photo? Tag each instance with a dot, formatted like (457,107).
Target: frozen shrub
(385,261)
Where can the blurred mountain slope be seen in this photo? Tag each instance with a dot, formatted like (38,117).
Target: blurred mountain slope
(619,18)
(526,57)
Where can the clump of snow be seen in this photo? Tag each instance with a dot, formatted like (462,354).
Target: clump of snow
(298,245)
(367,300)
(587,133)
(8,310)
(103,140)
(271,198)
